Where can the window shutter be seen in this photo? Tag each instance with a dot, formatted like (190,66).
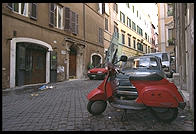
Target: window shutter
(67,18)
(76,23)
(100,36)
(51,14)
(33,10)
(10,6)
(103,8)
(73,22)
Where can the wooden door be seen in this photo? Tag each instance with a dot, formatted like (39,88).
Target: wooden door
(38,66)
(72,64)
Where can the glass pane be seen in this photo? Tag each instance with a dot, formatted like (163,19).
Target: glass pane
(59,17)
(33,12)
(22,8)
(55,17)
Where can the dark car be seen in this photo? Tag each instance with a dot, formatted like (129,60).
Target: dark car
(134,68)
(97,73)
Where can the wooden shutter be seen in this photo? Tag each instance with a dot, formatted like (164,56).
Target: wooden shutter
(67,19)
(76,23)
(33,9)
(10,5)
(73,22)
(103,8)
(51,14)
(100,36)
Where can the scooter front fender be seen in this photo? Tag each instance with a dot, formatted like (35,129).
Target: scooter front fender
(99,94)
(96,94)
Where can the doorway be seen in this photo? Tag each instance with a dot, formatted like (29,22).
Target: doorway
(30,64)
(72,61)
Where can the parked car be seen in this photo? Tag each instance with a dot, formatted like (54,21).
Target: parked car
(165,60)
(97,73)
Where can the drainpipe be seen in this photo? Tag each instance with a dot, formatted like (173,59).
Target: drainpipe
(84,34)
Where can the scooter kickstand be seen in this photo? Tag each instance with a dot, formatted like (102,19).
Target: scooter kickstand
(124,115)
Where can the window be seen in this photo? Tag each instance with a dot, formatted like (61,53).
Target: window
(133,26)
(134,43)
(129,41)
(122,17)
(115,7)
(100,36)
(146,36)
(116,32)
(56,15)
(71,21)
(123,38)
(128,22)
(133,8)
(169,10)
(34,10)
(139,46)
(20,8)
(148,49)
(106,24)
(105,8)
(169,33)
(100,8)
(137,13)
(139,31)
(23,9)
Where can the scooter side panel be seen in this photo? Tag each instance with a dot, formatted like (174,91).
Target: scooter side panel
(159,97)
(157,93)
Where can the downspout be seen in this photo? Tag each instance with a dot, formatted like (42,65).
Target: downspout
(84,34)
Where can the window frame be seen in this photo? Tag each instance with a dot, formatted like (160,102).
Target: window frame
(26,7)
(129,41)
(123,38)
(31,9)
(106,24)
(133,26)
(100,36)
(115,7)
(128,22)
(122,17)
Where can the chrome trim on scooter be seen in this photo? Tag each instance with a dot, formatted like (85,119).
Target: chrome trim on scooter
(126,92)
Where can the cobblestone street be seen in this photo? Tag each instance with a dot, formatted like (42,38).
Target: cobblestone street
(63,108)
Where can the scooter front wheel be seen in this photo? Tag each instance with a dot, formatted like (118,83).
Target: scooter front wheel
(165,114)
(96,107)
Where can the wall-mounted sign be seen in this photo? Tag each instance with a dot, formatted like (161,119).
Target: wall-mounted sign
(63,52)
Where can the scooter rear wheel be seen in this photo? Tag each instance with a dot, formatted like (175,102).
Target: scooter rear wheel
(96,107)
(165,114)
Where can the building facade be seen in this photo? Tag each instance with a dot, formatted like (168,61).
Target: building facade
(131,25)
(166,25)
(184,46)
(49,42)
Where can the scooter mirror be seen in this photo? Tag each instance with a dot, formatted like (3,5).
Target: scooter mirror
(123,58)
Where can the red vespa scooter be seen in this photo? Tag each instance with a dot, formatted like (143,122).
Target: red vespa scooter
(150,89)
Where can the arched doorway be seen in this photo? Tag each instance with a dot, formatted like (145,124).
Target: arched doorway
(72,61)
(13,60)
(96,60)
(30,63)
